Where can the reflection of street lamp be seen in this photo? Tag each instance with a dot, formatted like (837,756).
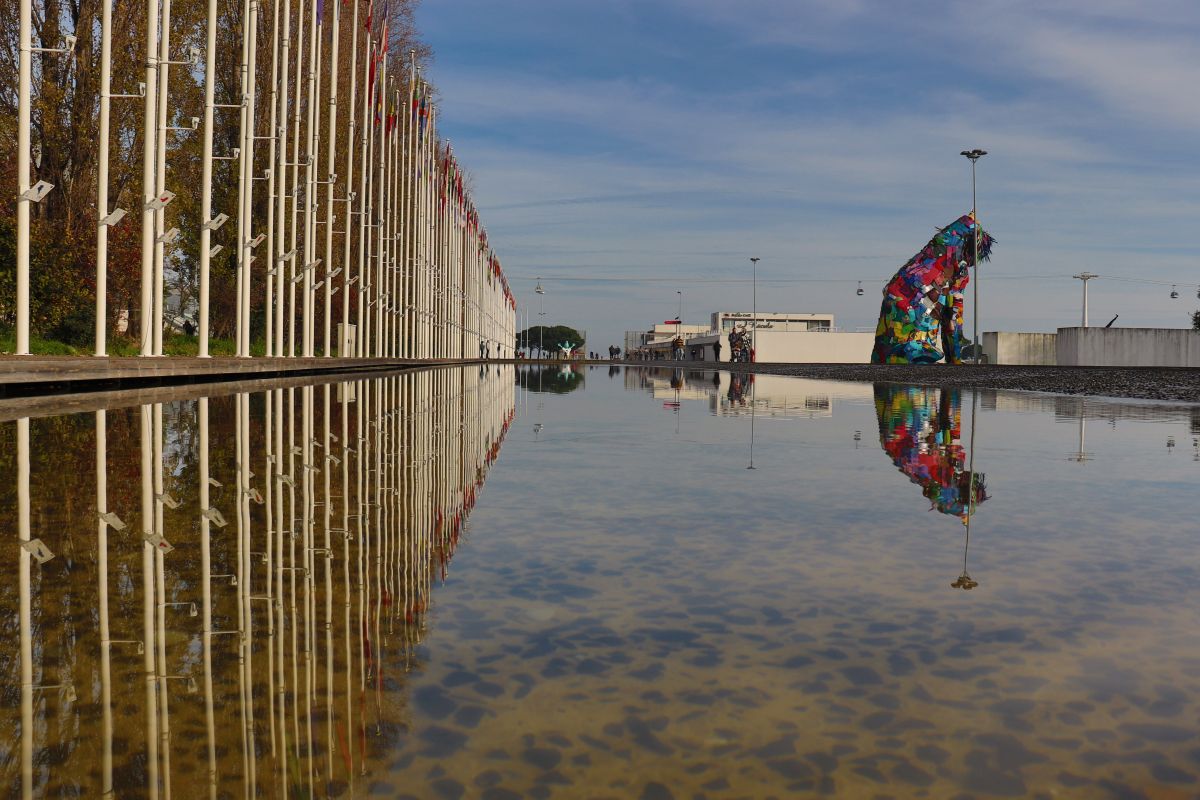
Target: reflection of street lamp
(541,323)
(973,156)
(965,581)
(753,409)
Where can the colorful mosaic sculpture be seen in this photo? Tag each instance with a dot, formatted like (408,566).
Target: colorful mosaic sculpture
(921,319)
(920,429)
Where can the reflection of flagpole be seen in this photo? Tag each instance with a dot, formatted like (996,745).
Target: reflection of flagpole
(247,639)
(307,547)
(292,568)
(243,580)
(268,553)
(361,536)
(26,607)
(330,717)
(280,660)
(206,600)
(148,554)
(102,597)
(349,662)
(164,733)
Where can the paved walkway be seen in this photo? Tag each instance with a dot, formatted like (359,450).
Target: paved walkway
(22,376)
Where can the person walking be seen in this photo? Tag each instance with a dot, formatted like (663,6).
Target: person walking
(717,350)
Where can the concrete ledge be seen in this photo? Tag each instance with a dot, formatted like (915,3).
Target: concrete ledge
(1006,347)
(23,376)
(1128,347)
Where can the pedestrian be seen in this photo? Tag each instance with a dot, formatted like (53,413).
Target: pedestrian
(717,350)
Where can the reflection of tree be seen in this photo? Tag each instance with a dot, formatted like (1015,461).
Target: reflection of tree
(554,380)
(920,429)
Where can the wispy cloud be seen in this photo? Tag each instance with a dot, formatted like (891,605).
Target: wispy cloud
(673,138)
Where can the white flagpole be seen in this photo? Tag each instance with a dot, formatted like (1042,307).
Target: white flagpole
(272,267)
(370,212)
(294,184)
(364,199)
(246,259)
(102,179)
(331,151)
(243,205)
(350,196)
(24,158)
(409,174)
(310,180)
(207,225)
(385,220)
(394,300)
(160,170)
(149,189)
(284,184)
(380,194)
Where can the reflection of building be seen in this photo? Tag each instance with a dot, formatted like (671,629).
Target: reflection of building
(920,429)
(729,393)
(785,397)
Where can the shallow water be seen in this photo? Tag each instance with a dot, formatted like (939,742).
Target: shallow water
(614,606)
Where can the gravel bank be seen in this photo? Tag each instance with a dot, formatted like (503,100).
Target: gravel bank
(1147,383)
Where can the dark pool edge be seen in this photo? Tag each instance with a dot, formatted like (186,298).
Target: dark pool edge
(1155,384)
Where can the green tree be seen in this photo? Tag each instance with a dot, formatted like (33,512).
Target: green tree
(549,337)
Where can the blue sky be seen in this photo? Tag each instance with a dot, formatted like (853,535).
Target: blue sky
(669,140)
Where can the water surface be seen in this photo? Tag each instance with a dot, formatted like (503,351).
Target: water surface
(615,605)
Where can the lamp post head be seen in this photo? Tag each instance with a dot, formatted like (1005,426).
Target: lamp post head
(974,155)
(754,259)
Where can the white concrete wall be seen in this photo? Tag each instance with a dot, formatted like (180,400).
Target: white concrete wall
(1128,347)
(810,347)
(1005,347)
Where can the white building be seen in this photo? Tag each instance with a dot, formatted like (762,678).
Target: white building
(725,321)
(778,338)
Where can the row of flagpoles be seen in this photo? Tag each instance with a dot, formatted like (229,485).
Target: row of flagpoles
(416,274)
(308,584)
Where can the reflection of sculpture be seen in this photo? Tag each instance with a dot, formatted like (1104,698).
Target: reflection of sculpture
(919,428)
(921,318)
(550,379)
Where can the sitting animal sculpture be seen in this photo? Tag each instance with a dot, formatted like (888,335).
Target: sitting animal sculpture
(921,319)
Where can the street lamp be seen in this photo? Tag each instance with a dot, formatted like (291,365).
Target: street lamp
(973,156)
(679,317)
(753,299)
(1085,277)
(541,323)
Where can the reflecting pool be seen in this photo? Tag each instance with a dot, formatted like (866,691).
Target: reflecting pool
(517,582)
